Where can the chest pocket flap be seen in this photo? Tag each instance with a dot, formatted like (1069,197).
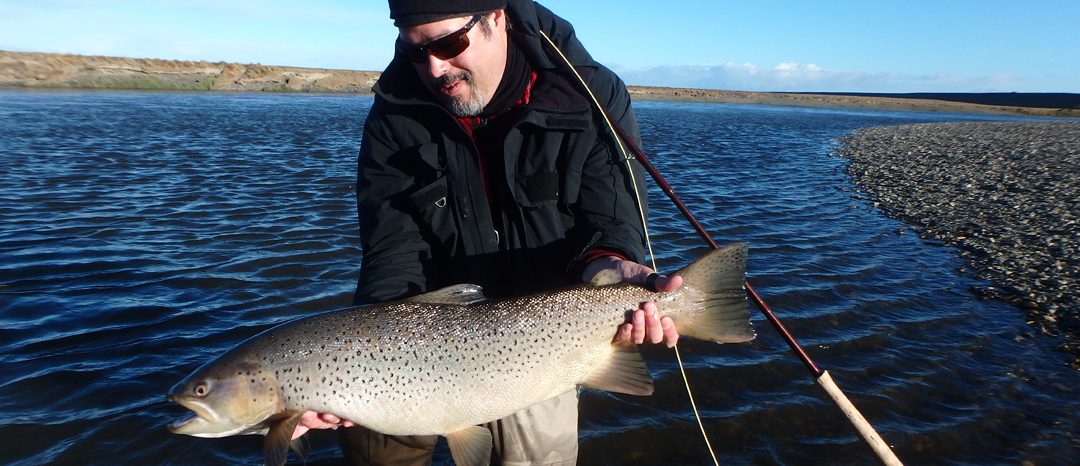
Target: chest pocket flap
(541,188)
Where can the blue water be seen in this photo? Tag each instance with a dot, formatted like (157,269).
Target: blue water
(141,234)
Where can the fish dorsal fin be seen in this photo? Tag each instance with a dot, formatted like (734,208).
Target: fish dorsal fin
(279,437)
(463,294)
(623,372)
(606,277)
(470,446)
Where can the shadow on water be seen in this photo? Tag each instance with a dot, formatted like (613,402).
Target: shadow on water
(144,233)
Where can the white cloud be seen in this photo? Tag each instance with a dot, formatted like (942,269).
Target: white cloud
(788,76)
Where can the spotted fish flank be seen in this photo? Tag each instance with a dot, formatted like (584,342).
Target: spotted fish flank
(443,362)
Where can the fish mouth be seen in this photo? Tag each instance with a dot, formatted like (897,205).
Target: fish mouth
(178,426)
(204,422)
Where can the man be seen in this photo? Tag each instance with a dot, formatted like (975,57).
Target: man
(483,162)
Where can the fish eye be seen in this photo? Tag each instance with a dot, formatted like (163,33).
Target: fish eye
(201,389)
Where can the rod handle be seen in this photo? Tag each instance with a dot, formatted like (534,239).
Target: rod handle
(865,429)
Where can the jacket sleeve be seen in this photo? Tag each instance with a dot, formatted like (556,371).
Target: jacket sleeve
(608,198)
(394,253)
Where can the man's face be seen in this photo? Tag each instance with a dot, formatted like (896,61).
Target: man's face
(466,82)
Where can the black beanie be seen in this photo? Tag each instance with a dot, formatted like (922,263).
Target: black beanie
(407,13)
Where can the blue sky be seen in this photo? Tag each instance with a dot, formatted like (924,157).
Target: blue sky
(865,46)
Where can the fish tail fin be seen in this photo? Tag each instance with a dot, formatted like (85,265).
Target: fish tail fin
(719,312)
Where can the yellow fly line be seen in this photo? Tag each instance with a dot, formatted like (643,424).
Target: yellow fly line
(644,225)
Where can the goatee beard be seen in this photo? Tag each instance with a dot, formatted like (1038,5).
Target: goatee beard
(456,106)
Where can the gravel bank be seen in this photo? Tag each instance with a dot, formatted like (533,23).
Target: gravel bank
(1006,194)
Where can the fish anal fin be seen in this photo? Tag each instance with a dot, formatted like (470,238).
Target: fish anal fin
(463,294)
(623,372)
(470,446)
(279,438)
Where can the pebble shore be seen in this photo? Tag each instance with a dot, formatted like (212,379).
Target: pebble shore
(1005,194)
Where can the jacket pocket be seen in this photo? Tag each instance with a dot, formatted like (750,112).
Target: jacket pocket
(539,189)
(431,196)
(430,208)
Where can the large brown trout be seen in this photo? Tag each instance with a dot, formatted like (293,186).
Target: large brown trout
(445,361)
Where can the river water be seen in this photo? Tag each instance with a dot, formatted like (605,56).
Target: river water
(141,234)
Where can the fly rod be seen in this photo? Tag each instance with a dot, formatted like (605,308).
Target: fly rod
(821,376)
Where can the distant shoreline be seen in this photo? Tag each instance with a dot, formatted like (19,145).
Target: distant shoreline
(33,70)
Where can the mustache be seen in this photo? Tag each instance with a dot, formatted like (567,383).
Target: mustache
(450,78)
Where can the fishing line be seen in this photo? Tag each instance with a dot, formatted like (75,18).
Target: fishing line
(821,376)
(644,226)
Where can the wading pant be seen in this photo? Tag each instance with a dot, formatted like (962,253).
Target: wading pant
(542,434)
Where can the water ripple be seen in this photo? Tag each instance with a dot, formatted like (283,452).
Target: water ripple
(144,233)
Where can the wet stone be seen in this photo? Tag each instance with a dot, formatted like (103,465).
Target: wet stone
(1005,194)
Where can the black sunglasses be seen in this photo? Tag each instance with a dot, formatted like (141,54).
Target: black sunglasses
(443,48)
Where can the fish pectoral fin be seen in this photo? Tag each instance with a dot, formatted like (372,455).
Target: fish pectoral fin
(301,447)
(623,372)
(279,438)
(463,294)
(470,446)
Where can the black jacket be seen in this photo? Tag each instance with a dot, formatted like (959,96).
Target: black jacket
(423,213)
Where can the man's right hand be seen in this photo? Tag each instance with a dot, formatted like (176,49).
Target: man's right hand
(645,324)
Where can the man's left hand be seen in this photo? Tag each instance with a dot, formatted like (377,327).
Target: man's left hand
(312,420)
(645,323)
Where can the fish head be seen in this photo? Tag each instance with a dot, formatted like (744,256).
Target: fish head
(228,398)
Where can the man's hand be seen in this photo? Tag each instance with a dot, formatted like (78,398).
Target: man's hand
(645,323)
(312,420)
